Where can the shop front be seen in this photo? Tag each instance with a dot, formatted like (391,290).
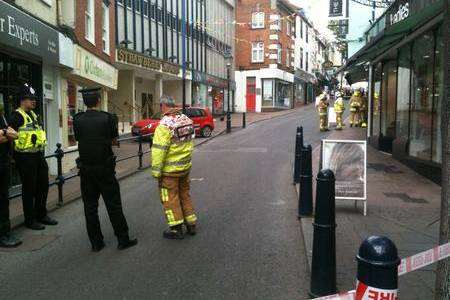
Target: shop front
(211,92)
(406,92)
(303,87)
(276,94)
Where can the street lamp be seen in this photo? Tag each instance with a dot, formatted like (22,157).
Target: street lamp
(228,57)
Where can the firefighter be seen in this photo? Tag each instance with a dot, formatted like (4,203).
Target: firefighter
(339,109)
(355,104)
(96,131)
(30,161)
(322,107)
(363,110)
(171,163)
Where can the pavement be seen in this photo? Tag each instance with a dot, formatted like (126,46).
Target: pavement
(128,167)
(402,205)
(249,246)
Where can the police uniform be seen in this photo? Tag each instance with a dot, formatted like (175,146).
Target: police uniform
(95,132)
(6,240)
(30,161)
(171,163)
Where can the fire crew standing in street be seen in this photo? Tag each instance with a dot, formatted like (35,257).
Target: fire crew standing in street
(96,131)
(339,108)
(30,161)
(363,110)
(7,134)
(171,163)
(322,107)
(355,104)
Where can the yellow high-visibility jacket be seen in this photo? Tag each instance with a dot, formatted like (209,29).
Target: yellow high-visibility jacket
(172,146)
(339,106)
(31,135)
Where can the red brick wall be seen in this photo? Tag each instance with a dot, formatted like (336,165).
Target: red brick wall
(98,19)
(245,35)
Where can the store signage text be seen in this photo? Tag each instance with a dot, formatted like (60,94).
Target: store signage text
(126,56)
(401,14)
(22,31)
(336,8)
(89,66)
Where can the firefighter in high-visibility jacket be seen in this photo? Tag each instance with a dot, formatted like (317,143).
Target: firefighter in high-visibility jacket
(171,163)
(363,111)
(355,104)
(322,108)
(339,108)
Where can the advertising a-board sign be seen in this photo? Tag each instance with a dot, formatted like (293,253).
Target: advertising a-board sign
(348,160)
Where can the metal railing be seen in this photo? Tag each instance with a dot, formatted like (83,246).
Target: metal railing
(59,154)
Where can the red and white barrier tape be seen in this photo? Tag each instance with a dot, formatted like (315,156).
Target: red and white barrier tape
(407,265)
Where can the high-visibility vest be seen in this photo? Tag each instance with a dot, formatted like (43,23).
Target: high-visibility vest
(168,156)
(31,135)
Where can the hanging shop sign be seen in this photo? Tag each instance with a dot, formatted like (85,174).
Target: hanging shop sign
(91,67)
(336,8)
(132,58)
(21,31)
(348,161)
(400,13)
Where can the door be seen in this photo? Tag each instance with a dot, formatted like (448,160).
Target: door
(251,94)
(388,106)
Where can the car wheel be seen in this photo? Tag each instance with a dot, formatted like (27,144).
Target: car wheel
(206,131)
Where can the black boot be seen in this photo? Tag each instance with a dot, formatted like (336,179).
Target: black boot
(9,241)
(191,229)
(126,243)
(35,225)
(174,233)
(97,247)
(48,221)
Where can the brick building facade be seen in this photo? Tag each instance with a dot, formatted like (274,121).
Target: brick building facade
(265,37)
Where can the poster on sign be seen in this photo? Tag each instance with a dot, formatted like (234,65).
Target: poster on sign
(348,161)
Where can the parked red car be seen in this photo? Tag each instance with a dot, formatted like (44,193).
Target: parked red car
(202,118)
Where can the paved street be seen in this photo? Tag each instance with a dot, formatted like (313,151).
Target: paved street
(249,245)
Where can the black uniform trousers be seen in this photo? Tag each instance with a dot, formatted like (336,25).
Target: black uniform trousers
(5,225)
(33,171)
(96,181)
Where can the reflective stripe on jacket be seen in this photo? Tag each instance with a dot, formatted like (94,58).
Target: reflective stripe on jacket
(169,157)
(339,106)
(31,136)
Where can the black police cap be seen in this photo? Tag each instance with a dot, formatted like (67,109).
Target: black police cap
(26,91)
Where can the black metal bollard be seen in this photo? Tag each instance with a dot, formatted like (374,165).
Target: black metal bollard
(323,267)
(305,205)
(60,178)
(298,154)
(140,153)
(244,121)
(378,262)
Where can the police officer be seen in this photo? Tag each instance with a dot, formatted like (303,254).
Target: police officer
(96,131)
(30,161)
(7,134)
(171,164)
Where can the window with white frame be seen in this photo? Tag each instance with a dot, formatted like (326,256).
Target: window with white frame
(307,62)
(258,52)
(89,21)
(105,28)
(288,58)
(288,27)
(258,20)
(279,53)
(301,58)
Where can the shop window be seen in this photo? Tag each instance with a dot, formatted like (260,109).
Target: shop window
(389,99)
(376,104)
(89,21)
(105,28)
(268,91)
(284,94)
(403,90)
(258,52)
(438,98)
(258,20)
(422,97)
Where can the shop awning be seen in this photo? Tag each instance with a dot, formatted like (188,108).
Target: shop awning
(394,34)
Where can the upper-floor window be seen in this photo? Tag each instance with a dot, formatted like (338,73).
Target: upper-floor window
(279,53)
(301,29)
(89,21)
(307,62)
(288,58)
(105,28)
(288,27)
(306,33)
(258,52)
(258,20)
(301,58)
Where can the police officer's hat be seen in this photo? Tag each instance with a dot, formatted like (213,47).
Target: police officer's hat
(26,91)
(91,93)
